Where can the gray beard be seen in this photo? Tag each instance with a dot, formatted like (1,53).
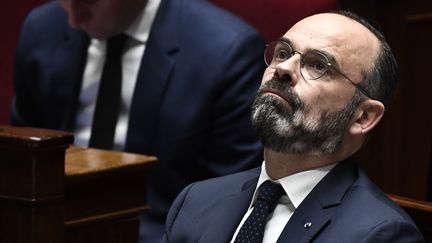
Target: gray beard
(296,131)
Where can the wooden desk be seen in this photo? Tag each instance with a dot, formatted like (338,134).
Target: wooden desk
(52,193)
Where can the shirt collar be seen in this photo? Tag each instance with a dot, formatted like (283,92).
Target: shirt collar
(140,28)
(296,186)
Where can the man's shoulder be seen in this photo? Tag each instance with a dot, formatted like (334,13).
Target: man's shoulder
(204,195)
(373,201)
(232,182)
(355,209)
(46,27)
(205,16)
(362,198)
(47,12)
(366,212)
(211,191)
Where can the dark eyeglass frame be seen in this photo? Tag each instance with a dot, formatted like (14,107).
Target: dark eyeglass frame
(290,50)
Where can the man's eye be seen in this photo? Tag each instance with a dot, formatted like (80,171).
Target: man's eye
(319,66)
(314,69)
(282,54)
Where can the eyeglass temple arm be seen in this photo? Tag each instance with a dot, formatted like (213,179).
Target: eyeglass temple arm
(352,82)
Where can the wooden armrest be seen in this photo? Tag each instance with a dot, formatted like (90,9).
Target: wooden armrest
(406,202)
(420,212)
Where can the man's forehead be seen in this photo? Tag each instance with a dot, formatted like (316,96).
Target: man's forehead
(342,37)
(332,26)
(329,29)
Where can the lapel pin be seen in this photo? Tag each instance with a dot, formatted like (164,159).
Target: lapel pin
(307,225)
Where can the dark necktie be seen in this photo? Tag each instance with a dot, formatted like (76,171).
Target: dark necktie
(253,228)
(109,96)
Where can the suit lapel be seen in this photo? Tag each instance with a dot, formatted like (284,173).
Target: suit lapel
(317,209)
(65,83)
(156,66)
(228,214)
(308,219)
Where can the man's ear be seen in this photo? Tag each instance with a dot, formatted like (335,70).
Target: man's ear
(367,116)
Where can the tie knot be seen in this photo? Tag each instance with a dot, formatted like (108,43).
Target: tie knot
(115,44)
(270,192)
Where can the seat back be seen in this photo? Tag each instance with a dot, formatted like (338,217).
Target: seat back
(12,15)
(272,18)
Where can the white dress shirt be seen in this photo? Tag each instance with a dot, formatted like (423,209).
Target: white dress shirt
(297,187)
(131,60)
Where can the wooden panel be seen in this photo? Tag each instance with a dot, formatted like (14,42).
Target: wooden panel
(104,194)
(98,177)
(50,194)
(106,232)
(31,184)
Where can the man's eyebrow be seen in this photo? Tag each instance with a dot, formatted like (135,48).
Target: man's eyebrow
(284,39)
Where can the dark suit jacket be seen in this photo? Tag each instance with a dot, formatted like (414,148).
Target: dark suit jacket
(191,104)
(344,207)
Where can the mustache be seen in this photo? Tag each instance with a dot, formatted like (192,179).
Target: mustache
(284,89)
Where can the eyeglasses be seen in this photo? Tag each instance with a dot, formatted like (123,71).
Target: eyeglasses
(313,65)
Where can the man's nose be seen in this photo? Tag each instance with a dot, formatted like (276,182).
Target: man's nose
(289,70)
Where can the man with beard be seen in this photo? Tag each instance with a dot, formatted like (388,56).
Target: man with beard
(328,81)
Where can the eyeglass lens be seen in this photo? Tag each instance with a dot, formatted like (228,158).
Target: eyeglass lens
(313,64)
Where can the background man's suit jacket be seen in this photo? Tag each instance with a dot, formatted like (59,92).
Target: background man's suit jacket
(191,105)
(345,206)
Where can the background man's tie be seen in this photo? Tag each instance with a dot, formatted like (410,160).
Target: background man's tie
(109,96)
(252,230)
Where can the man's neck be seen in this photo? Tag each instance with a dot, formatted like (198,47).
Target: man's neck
(279,165)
